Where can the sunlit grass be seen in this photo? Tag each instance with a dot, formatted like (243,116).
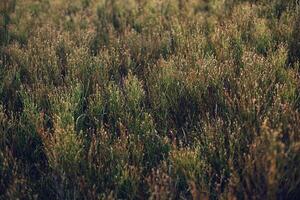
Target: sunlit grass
(135,99)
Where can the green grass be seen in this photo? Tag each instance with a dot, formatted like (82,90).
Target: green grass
(135,99)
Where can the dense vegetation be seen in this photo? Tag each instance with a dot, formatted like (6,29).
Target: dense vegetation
(159,99)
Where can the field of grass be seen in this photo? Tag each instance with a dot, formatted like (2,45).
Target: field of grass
(149,99)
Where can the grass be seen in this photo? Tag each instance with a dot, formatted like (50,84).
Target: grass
(135,99)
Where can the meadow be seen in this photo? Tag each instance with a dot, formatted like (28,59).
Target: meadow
(150,99)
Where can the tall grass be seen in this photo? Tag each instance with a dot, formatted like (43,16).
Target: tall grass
(135,99)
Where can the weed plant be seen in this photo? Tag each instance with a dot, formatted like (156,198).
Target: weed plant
(149,99)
